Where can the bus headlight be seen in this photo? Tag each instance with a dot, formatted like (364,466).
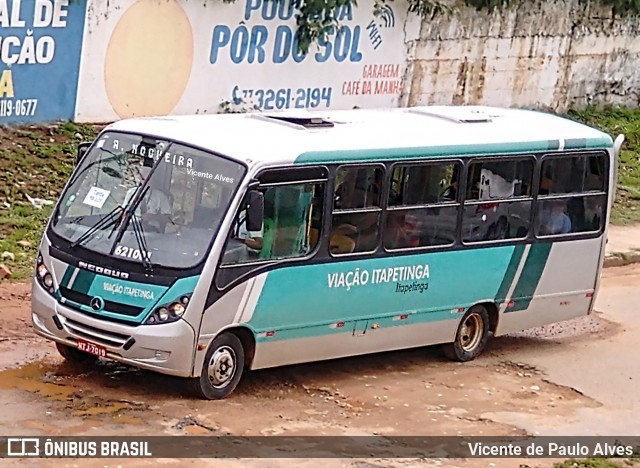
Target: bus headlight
(43,276)
(170,312)
(177,309)
(48,280)
(163,314)
(41,271)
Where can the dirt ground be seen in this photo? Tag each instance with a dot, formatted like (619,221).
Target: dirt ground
(415,392)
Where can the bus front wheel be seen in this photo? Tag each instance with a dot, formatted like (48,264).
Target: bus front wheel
(222,368)
(471,337)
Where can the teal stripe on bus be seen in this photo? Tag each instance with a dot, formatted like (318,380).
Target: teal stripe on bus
(509,274)
(575,143)
(605,141)
(83,281)
(64,282)
(554,144)
(382,154)
(305,300)
(530,277)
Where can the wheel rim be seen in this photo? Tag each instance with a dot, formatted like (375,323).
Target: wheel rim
(222,366)
(471,332)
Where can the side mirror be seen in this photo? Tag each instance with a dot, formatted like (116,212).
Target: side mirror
(255,210)
(617,146)
(82,150)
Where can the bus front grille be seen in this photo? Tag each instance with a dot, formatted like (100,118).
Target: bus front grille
(94,334)
(109,306)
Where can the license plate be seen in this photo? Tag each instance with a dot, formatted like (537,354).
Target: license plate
(92,348)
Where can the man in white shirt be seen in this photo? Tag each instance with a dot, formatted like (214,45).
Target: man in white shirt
(154,208)
(251,239)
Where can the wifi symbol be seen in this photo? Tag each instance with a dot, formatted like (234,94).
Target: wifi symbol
(388,18)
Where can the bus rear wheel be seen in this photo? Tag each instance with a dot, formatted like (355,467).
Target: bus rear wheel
(471,337)
(74,355)
(222,368)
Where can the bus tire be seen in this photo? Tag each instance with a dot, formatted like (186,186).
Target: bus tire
(222,368)
(471,337)
(74,355)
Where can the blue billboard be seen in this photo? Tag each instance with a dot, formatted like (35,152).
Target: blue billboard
(40,46)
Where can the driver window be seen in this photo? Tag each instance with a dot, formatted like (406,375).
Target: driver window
(290,228)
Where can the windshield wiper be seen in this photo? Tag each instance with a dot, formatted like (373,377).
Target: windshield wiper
(138,232)
(139,194)
(109,219)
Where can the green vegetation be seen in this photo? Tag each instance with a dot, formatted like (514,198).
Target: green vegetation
(317,19)
(36,161)
(595,463)
(615,121)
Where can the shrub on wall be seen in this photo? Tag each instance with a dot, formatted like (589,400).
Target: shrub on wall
(316,19)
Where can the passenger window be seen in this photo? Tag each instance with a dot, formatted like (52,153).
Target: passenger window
(572,174)
(572,195)
(498,200)
(357,187)
(356,209)
(291,226)
(499,180)
(422,208)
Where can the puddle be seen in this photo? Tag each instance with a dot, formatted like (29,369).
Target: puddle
(72,390)
(32,378)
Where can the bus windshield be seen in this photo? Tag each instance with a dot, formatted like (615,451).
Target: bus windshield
(146,200)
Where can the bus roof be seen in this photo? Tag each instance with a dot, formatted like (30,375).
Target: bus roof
(301,137)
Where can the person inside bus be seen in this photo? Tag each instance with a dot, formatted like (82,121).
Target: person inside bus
(450,192)
(402,231)
(258,243)
(252,239)
(155,207)
(362,225)
(554,220)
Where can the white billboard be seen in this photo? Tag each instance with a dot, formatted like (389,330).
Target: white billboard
(158,57)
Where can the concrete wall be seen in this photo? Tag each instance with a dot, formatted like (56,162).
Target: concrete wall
(550,55)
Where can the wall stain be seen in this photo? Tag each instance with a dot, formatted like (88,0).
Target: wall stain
(553,55)
(459,97)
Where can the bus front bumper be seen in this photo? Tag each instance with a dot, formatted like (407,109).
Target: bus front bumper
(166,348)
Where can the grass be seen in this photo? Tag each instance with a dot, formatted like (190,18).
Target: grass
(36,160)
(615,121)
(596,463)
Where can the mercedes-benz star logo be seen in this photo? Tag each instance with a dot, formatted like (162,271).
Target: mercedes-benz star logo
(97,303)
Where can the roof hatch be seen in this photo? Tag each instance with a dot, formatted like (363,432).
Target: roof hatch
(298,121)
(455,114)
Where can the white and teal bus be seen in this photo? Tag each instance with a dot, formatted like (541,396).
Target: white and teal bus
(200,246)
